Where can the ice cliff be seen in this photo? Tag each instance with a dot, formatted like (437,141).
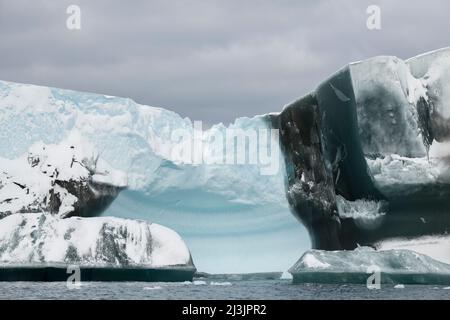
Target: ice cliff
(367,152)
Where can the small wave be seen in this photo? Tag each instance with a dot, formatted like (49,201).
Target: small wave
(153,288)
(220,283)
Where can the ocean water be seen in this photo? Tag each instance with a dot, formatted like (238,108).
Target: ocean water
(255,289)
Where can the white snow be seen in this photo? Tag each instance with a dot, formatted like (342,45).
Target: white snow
(167,246)
(394,169)
(25,181)
(365,211)
(434,69)
(43,238)
(311,261)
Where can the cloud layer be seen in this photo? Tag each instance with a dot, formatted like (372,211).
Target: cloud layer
(209,60)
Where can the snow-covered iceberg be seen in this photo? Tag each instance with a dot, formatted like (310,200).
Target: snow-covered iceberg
(356,266)
(128,249)
(233,217)
(65,180)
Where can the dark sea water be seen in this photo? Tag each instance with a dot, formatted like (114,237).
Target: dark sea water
(255,289)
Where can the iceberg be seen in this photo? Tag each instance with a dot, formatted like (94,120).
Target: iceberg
(366,153)
(356,266)
(41,246)
(435,246)
(232,217)
(64,180)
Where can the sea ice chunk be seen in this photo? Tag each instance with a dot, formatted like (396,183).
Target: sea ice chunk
(355,266)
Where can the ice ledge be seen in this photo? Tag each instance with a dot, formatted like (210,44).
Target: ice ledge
(355,266)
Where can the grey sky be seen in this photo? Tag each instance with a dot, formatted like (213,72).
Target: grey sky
(210,60)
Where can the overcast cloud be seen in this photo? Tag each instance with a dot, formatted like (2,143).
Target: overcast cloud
(209,60)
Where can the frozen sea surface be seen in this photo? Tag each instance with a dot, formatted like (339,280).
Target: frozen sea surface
(216,290)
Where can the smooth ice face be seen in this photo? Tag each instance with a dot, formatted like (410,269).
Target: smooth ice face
(386,95)
(233,217)
(42,238)
(403,105)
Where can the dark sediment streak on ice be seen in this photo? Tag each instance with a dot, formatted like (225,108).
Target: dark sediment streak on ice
(326,147)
